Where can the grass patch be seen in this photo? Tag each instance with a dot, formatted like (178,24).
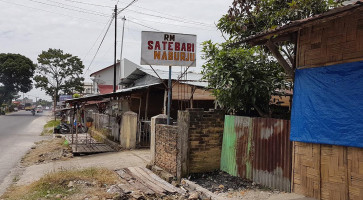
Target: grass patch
(49,126)
(52,123)
(54,184)
(104,132)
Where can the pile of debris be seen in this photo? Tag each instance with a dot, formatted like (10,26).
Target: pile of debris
(220,182)
(47,151)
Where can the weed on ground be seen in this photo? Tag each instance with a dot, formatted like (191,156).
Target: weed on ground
(77,184)
(49,127)
(47,151)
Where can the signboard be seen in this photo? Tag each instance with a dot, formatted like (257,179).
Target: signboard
(169,49)
(63,98)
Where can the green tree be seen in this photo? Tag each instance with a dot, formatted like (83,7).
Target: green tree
(248,17)
(16,73)
(242,79)
(59,72)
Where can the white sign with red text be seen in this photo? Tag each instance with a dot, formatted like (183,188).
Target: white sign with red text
(170,49)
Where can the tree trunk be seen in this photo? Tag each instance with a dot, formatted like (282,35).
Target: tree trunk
(261,112)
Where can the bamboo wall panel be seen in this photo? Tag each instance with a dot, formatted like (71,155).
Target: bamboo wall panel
(334,174)
(328,171)
(333,42)
(306,169)
(185,92)
(355,173)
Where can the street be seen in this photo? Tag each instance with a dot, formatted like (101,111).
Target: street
(18,132)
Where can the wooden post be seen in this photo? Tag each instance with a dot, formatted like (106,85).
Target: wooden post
(140,101)
(165,97)
(147,103)
(72,121)
(274,50)
(192,96)
(77,118)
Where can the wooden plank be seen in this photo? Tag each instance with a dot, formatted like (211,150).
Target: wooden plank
(138,184)
(166,187)
(149,184)
(162,181)
(124,175)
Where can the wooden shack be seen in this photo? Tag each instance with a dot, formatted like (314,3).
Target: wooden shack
(323,171)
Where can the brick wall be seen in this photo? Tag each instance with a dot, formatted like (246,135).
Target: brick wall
(203,133)
(205,140)
(166,148)
(194,146)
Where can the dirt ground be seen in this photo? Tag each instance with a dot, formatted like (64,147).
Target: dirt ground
(47,151)
(230,187)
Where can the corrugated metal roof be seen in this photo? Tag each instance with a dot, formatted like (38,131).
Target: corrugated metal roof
(136,88)
(163,74)
(102,96)
(174,75)
(295,25)
(196,83)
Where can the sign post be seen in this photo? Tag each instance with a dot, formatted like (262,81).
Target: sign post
(168,49)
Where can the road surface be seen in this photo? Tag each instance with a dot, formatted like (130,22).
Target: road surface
(18,132)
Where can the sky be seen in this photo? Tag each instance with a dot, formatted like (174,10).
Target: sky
(29,27)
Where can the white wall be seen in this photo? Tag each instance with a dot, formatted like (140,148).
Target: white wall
(127,67)
(105,77)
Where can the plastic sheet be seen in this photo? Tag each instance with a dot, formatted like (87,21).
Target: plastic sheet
(328,105)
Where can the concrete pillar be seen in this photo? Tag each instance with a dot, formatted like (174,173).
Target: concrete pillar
(128,130)
(158,119)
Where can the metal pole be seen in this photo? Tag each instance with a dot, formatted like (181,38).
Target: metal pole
(122,40)
(169,96)
(55,105)
(114,69)
(77,118)
(72,122)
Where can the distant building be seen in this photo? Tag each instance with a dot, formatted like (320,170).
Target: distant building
(88,88)
(103,79)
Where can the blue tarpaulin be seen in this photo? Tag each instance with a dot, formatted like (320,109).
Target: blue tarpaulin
(328,105)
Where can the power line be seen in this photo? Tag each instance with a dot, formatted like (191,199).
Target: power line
(159,22)
(162,17)
(100,44)
(177,17)
(132,2)
(91,4)
(71,6)
(49,11)
(104,28)
(82,11)
(143,25)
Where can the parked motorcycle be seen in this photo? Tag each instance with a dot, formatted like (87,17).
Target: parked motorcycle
(65,128)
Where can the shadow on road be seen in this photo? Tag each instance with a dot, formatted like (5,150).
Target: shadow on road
(23,115)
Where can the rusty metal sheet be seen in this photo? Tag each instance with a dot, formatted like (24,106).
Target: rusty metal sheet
(258,149)
(273,153)
(243,146)
(228,156)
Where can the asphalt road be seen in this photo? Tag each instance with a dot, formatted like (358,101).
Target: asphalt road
(18,132)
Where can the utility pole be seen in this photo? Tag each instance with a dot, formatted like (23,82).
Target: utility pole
(169,96)
(122,43)
(55,105)
(114,69)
